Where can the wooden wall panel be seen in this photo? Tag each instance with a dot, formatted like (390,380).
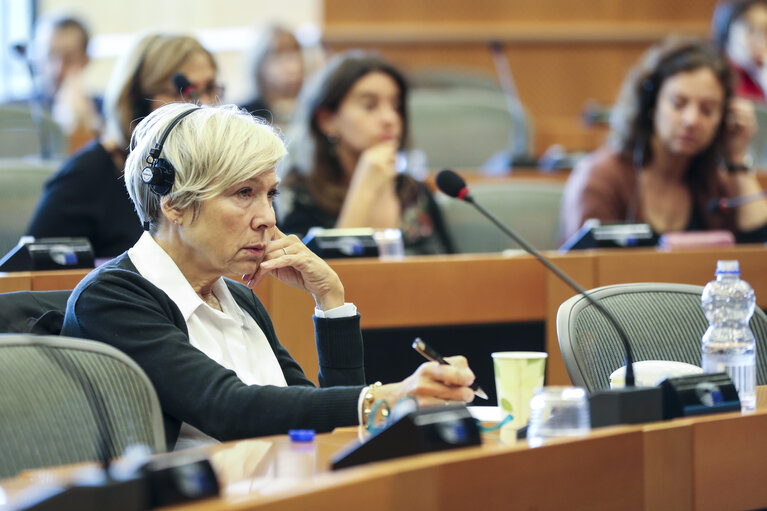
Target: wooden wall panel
(561,53)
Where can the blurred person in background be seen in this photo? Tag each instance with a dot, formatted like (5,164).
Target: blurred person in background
(277,69)
(206,342)
(87,196)
(342,171)
(678,142)
(58,56)
(740,30)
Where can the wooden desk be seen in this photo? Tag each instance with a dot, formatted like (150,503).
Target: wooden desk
(466,290)
(713,462)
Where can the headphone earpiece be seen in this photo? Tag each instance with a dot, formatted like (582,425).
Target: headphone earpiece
(159,176)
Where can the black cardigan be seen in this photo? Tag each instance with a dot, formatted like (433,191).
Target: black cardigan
(116,305)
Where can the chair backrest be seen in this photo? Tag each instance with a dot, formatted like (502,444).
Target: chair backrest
(463,127)
(21,184)
(531,208)
(35,312)
(46,418)
(662,321)
(436,78)
(757,148)
(24,133)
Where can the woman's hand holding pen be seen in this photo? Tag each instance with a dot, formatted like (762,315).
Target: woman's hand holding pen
(433,384)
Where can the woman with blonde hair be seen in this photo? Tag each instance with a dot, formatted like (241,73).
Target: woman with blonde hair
(203,182)
(86,197)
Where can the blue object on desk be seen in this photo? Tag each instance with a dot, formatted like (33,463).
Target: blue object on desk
(301,435)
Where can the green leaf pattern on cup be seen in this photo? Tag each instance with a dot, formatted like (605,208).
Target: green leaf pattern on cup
(506,405)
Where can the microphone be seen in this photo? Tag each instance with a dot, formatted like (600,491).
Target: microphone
(185,87)
(520,136)
(629,405)
(722,204)
(36,103)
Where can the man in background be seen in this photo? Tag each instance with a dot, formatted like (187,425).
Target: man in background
(59,56)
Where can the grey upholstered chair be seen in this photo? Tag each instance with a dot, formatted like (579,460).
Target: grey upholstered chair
(21,183)
(463,127)
(530,207)
(46,417)
(662,321)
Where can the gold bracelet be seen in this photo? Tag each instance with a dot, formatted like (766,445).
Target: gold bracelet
(369,400)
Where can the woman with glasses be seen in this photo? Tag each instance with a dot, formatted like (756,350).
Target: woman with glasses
(87,196)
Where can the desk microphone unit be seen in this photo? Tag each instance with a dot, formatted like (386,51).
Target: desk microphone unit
(595,235)
(341,243)
(433,429)
(36,254)
(627,405)
(699,394)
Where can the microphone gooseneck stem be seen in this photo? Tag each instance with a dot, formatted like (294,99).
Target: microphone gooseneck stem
(567,280)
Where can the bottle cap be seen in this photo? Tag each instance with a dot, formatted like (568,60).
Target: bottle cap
(301,435)
(731,267)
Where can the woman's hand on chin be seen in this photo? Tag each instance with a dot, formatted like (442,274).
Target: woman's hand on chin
(292,262)
(376,167)
(740,126)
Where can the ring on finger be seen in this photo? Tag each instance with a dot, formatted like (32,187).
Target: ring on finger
(284,251)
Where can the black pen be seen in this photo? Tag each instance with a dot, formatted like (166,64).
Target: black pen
(429,354)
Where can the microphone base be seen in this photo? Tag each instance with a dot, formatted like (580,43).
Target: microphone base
(631,405)
(126,495)
(428,430)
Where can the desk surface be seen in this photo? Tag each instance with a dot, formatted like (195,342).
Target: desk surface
(711,462)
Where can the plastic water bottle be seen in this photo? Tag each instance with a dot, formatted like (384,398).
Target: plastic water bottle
(728,344)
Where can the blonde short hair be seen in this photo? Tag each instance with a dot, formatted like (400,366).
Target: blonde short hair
(210,149)
(141,73)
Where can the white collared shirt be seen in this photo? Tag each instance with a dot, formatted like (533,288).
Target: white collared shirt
(232,338)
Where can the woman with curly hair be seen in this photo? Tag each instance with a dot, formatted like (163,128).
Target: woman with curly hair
(678,143)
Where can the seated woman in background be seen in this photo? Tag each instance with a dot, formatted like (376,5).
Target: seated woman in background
(678,142)
(207,343)
(87,196)
(739,28)
(277,70)
(351,123)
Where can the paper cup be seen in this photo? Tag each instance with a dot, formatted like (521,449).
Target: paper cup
(517,375)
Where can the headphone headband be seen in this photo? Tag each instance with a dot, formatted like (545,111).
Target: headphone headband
(155,152)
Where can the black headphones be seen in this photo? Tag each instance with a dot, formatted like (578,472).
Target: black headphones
(159,173)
